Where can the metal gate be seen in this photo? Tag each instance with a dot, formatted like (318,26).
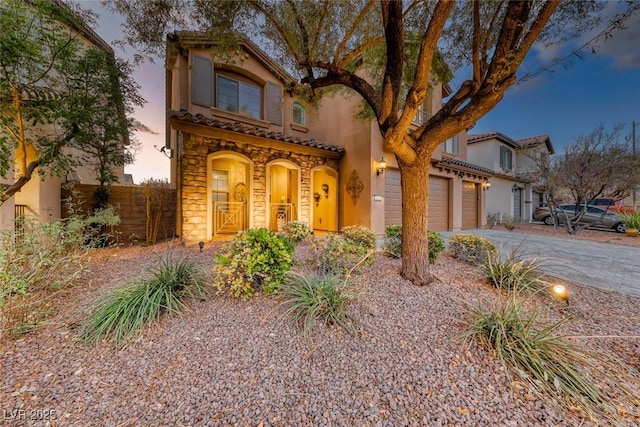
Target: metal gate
(229,217)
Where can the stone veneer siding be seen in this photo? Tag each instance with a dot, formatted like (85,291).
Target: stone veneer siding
(194,177)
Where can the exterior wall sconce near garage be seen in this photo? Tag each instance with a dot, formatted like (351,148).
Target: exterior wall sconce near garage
(486,185)
(382,166)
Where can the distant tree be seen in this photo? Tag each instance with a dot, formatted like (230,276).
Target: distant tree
(62,104)
(390,53)
(599,164)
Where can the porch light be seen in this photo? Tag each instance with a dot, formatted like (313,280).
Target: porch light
(486,185)
(325,188)
(382,165)
(561,292)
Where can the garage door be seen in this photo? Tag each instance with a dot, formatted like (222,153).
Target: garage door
(392,198)
(469,205)
(438,204)
(438,201)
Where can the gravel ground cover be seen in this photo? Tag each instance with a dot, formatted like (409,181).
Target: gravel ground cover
(232,362)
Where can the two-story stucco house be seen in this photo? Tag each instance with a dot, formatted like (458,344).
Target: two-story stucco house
(40,198)
(513,192)
(246,152)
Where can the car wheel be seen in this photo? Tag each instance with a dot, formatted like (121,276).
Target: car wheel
(620,227)
(548,220)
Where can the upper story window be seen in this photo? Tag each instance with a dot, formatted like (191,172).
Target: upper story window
(239,97)
(298,114)
(451,146)
(235,93)
(506,159)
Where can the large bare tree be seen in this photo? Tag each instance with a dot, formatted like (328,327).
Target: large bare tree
(597,164)
(389,52)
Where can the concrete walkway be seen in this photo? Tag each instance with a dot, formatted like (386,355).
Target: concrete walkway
(603,265)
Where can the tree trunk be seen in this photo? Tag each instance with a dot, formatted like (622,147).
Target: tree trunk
(415,201)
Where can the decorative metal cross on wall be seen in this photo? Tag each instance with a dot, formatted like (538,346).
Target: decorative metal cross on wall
(354,187)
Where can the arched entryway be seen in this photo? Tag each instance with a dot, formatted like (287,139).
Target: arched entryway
(283,189)
(324,199)
(228,189)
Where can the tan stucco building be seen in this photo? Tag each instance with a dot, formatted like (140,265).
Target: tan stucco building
(40,198)
(246,153)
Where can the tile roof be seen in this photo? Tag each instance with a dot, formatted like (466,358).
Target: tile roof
(457,162)
(478,137)
(534,141)
(185,116)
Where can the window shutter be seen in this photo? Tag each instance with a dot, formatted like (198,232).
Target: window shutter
(201,81)
(274,103)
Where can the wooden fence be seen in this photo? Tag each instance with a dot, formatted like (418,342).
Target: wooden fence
(147,213)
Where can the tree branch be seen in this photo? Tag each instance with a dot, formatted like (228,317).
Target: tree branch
(352,29)
(392,80)
(339,76)
(360,50)
(428,47)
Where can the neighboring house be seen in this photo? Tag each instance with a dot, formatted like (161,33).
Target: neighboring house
(246,153)
(41,198)
(513,192)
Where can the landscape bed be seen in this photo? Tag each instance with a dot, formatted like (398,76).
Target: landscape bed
(227,361)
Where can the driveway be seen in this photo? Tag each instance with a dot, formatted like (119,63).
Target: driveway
(603,265)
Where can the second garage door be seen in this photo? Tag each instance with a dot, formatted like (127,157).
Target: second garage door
(469,205)
(438,204)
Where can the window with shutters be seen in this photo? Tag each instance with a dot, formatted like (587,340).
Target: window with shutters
(298,114)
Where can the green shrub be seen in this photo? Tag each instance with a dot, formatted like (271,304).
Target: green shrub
(255,260)
(296,231)
(335,255)
(534,353)
(393,243)
(436,246)
(631,220)
(141,302)
(393,240)
(512,272)
(360,237)
(317,298)
(41,256)
(471,248)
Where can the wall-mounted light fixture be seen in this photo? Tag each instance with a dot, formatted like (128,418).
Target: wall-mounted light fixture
(325,189)
(486,185)
(382,166)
